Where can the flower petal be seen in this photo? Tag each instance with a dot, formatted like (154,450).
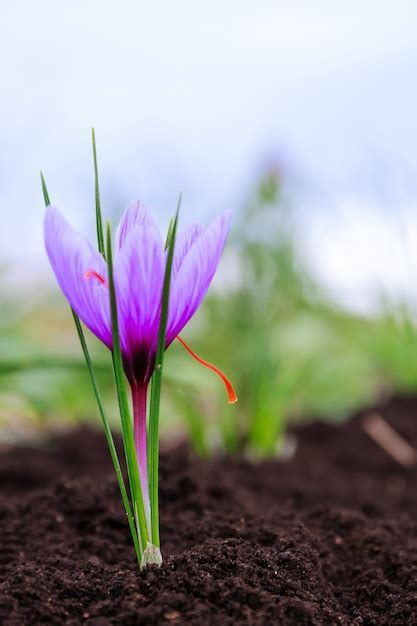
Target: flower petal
(71,256)
(195,274)
(183,243)
(138,274)
(135,214)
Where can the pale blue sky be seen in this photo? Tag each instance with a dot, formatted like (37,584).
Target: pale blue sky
(195,96)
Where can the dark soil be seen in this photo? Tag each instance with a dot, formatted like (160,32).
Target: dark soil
(326,538)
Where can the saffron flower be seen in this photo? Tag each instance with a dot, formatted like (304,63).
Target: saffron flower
(138,274)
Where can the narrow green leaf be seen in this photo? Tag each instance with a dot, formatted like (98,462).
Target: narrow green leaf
(45,191)
(153,444)
(127,427)
(99,220)
(109,438)
(104,419)
(169,233)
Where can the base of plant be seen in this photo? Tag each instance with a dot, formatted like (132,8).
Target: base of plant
(151,556)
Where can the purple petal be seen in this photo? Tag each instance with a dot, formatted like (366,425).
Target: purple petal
(183,243)
(135,214)
(196,272)
(138,271)
(71,256)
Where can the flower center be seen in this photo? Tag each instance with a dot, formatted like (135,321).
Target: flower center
(229,387)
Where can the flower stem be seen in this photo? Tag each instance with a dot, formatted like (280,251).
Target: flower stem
(127,429)
(139,399)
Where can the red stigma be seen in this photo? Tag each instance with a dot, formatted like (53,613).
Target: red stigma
(229,387)
(93,274)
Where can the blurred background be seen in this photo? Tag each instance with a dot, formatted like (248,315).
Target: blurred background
(301,118)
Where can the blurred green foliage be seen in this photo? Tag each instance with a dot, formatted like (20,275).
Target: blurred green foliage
(289,350)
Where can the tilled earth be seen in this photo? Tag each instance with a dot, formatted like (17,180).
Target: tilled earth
(328,537)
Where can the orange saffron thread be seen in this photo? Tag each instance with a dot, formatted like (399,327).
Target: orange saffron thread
(93,274)
(229,387)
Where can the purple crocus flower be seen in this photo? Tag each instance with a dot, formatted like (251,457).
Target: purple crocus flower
(139,266)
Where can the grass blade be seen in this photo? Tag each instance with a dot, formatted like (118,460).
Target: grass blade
(99,220)
(104,419)
(109,438)
(153,445)
(169,233)
(45,191)
(127,426)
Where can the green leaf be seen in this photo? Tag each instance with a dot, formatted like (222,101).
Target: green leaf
(99,220)
(104,419)
(169,233)
(45,191)
(109,438)
(127,427)
(155,399)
